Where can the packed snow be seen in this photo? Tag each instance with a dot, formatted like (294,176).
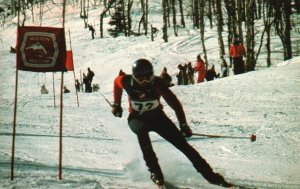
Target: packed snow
(100,151)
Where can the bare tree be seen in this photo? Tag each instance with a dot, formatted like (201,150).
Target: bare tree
(129,6)
(181,13)
(239,19)
(144,17)
(110,5)
(196,13)
(283,25)
(250,43)
(174,17)
(220,28)
(231,22)
(202,27)
(165,21)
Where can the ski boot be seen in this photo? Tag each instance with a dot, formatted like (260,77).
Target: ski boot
(219,180)
(157,179)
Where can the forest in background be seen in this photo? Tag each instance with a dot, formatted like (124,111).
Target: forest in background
(254,22)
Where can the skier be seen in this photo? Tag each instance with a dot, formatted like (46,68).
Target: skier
(144,91)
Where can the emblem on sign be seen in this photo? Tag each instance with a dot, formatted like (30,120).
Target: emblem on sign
(39,49)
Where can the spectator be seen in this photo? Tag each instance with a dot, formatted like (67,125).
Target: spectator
(166,77)
(200,68)
(77,85)
(44,90)
(225,69)
(90,76)
(87,86)
(12,50)
(236,52)
(182,75)
(190,73)
(211,74)
(66,90)
(92,29)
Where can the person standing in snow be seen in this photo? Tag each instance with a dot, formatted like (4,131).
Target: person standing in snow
(211,74)
(44,90)
(89,76)
(166,77)
(236,52)
(182,78)
(200,68)
(190,73)
(144,91)
(225,69)
(77,85)
(92,29)
(87,86)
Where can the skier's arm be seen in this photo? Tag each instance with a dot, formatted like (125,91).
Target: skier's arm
(172,101)
(118,90)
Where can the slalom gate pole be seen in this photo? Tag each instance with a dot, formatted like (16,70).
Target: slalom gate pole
(73,69)
(53,89)
(61,111)
(12,160)
(105,98)
(252,137)
(60,128)
(14,130)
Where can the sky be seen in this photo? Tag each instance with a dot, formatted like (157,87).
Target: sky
(100,151)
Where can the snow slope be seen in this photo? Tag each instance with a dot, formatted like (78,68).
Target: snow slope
(99,150)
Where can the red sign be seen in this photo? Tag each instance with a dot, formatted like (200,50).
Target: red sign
(41,49)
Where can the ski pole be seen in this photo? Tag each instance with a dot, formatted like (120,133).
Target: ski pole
(105,98)
(119,114)
(252,137)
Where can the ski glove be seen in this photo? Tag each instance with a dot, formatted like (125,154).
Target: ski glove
(117,110)
(185,130)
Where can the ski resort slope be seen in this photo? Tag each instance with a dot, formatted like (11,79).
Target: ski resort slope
(100,151)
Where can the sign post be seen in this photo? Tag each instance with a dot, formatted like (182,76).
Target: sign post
(40,49)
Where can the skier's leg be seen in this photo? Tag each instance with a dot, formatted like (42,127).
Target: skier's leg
(168,130)
(139,128)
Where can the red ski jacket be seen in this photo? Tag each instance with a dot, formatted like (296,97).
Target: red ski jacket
(200,68)
(146,99)
(237,50)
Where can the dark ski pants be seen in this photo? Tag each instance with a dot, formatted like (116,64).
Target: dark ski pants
(158,122)
(238,65)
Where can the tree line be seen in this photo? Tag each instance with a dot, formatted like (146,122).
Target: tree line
(237,17)
(231,18)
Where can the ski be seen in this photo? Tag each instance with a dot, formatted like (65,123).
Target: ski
(161,187)
(241,187)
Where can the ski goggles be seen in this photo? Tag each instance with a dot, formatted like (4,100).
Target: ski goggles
(143,79)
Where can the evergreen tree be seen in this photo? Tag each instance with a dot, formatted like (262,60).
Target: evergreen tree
(118,21)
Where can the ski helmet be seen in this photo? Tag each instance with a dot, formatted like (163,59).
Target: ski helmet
(142,67)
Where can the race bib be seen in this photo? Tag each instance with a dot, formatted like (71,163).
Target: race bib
(143,106)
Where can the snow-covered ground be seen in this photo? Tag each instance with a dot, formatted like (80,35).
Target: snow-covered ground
(100,151)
